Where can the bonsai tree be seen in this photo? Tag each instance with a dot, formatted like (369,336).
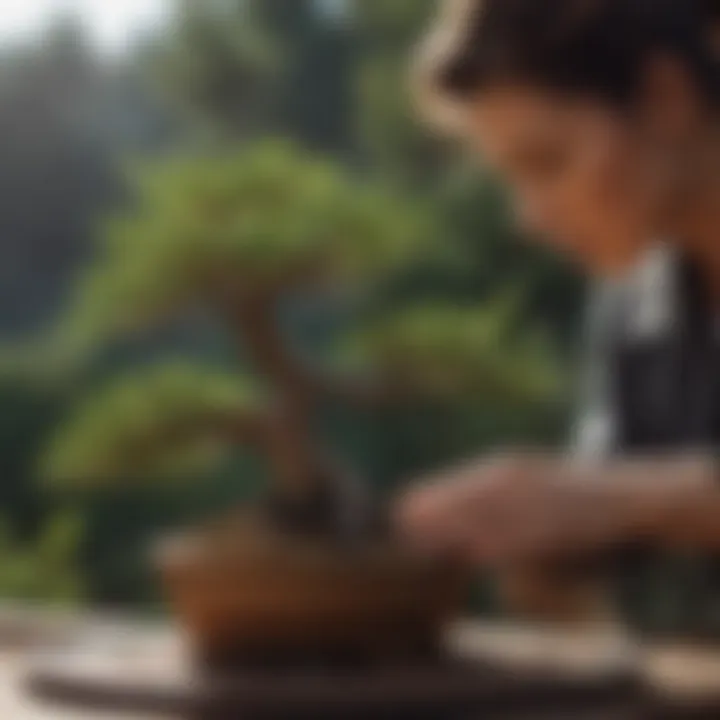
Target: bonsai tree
(240,236)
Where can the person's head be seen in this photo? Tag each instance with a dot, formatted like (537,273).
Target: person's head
(591,110)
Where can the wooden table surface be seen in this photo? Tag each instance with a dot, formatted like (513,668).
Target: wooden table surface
(680,673)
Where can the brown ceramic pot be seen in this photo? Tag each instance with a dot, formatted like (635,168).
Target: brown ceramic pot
(240,596)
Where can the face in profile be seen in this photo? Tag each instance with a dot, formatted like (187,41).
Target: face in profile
(595,181)
(580,174)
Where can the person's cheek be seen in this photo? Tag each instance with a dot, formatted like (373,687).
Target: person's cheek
(545,208)
(560,218)
(624,174)
(609,208)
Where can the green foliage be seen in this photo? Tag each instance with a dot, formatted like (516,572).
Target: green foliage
(165,421)
(462,353)
(393,25)
(388,129)
(222,67)
(45,569)
(208,229)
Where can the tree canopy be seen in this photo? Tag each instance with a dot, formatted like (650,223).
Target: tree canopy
(236,233)
(212,230)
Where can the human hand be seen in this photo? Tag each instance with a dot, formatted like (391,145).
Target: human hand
(512,509)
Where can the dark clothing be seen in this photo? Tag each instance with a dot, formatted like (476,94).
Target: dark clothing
(654,386)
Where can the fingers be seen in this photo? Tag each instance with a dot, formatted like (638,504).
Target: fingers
(466,516)
(430,519)
(500,512)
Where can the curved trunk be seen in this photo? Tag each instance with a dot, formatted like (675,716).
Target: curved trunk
(310,495)
(291,446)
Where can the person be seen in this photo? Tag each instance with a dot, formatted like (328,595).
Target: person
(601,116)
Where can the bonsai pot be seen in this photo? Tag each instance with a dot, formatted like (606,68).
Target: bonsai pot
(249,596)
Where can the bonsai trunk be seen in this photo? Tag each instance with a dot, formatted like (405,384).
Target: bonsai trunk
(309,494)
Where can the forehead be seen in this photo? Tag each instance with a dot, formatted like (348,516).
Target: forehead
(512,115)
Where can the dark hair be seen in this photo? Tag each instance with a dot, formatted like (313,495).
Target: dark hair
(596,47)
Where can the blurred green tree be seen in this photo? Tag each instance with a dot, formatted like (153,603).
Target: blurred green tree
(243,67)
(66,116)
(221,68)
(387,129)
(242,235)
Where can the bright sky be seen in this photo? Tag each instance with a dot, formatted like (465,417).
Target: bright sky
(111,22)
